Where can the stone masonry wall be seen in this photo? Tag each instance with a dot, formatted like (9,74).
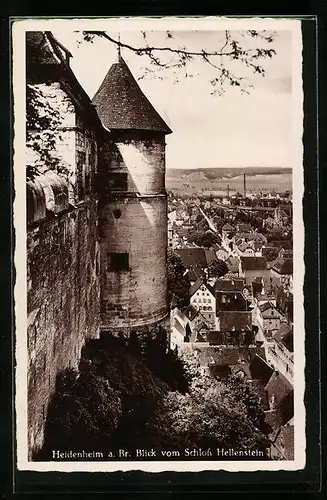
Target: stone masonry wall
(136,296)
(63,304)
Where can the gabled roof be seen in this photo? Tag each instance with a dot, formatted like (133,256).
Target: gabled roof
(235,320)
(210,256)
(195,273)
(190,312)
(195,287)
(121,104)
(283,265)
(233,264)
(244,227)
(199,282)
(284,329)
(230,285)
(47,60)
(243,246)
(192,257)
(43,48)
(253,263)
(278,386)
(266,306)
(287,245)
(179,327)
(286,437)
(288,341)
(260,370)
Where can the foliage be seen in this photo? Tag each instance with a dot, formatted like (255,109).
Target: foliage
(84,408)
(178,283)
(206,418)
(44,120)
(203,238)
(116,401)
(217,268)
(151,345)
(247,48)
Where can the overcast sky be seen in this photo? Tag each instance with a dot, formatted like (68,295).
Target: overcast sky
(208,131)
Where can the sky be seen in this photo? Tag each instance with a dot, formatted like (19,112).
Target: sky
(208,130)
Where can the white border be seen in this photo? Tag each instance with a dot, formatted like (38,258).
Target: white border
(19,28)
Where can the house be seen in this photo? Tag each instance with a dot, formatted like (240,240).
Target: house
(232,308)
(193,257)
(244,248)
(227,233)
(284,303)
(178,324)
(285,244)
(265,289)
(243,228)
(233,264)
(282,445)
(277,395)
(210,256)
(270,253)
(202,297)
(186,326)
(195,273)
(252,267)
(279,352)
(221,362)
(269,319)
(283,268)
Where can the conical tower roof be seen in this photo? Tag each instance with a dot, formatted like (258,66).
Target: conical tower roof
(121,104)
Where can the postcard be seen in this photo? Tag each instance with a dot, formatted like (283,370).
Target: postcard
(158,177)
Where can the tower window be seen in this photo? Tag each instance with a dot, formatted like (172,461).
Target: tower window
(118,262)
(116,213)
(117,181)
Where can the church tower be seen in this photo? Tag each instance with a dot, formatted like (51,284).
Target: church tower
(132,204)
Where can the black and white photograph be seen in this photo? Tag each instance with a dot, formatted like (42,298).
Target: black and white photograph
(158,176)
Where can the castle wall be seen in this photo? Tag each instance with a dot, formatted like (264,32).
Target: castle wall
(63,303)
(63,260)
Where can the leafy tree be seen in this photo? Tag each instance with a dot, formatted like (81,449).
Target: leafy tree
(177,282)
(44,121)
(203,238)
(210,417)
(83,410)
(115,401)
(217,268)
(249,48)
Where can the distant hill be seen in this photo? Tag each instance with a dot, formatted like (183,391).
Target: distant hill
(215,180)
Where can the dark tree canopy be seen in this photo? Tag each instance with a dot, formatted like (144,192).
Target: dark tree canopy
(116,401)
(217,268)
(178,282)
(203,238)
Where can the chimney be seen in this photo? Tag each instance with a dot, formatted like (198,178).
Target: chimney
(244,177)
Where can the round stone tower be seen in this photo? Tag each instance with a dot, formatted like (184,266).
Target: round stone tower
(132,204)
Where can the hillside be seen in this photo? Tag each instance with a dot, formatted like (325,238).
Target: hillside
(127,395)
(215,180)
